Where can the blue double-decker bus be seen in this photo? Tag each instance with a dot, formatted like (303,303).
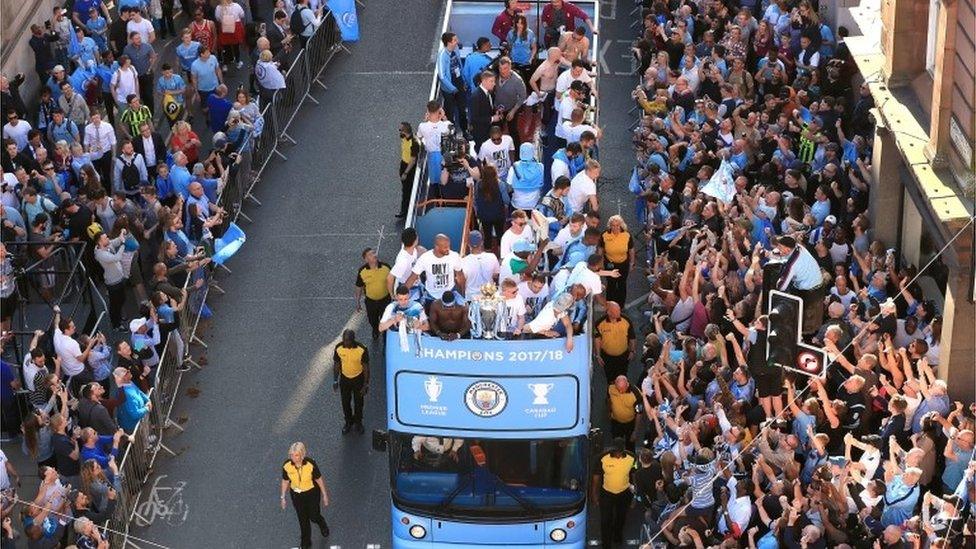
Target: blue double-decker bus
(488,441)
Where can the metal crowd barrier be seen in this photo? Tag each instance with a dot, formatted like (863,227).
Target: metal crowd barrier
(139,456)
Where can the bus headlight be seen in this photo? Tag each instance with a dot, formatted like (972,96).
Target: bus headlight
(557,535)
(418,531)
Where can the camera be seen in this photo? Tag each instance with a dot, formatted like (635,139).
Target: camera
(454,147)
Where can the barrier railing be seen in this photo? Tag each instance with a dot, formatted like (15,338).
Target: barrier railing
(253,158)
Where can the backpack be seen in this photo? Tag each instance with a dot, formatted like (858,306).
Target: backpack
(297,23)
(130,174)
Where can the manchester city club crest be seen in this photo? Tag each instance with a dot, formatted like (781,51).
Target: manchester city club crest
(485,398)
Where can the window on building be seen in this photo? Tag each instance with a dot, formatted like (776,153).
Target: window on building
(931,36)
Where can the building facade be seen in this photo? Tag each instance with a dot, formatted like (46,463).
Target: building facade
(918,60)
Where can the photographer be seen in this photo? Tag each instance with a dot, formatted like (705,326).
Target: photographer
(459,173)
(109,254)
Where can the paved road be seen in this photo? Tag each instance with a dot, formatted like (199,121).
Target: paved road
(267,382)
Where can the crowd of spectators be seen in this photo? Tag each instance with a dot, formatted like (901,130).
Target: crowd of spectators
(753,172)
(125,148)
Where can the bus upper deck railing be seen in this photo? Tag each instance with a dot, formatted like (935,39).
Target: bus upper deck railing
(421,189)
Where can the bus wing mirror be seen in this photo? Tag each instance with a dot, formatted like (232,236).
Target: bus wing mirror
(380,439)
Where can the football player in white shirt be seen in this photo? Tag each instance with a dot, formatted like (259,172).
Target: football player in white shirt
(514,307)
(405,259)
(572,231)
(582,189)
(574,128)
(441,267)
(566,106)
(535,292)
(430,131)
(519,230)
(499,151)
(480,267)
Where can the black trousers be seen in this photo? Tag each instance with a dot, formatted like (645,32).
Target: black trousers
(406,185)
(146,87)
(624,431)
(617,287)
(456,109)
(308,508)
(614,366)
(104,168)
(108,100)
(374,310)
(351,392)
(116,301)
(613,513)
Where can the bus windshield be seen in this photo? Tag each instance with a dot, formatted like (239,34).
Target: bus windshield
(488,478)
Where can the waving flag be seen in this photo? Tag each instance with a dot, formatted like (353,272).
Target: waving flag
(344,12)
(722,183)
(74,48)
(228,244)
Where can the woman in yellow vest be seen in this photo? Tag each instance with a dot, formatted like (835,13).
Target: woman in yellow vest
(300,475)
(617,246)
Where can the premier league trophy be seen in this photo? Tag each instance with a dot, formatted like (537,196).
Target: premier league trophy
(485,312)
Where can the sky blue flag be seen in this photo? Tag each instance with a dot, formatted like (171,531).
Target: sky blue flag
(228,244)
(344,12)
(73,47)
(670,235)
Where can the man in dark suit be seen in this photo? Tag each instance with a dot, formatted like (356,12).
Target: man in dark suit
(277,32)
(152,148)
(483,113)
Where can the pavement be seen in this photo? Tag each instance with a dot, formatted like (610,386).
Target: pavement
(268,380)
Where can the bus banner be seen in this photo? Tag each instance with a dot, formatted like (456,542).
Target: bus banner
(489,386)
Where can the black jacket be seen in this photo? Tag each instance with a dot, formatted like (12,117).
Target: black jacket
(158,144)
(93,414)
(481,113)
(275,36)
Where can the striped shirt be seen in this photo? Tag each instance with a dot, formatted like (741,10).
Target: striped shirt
(134,119)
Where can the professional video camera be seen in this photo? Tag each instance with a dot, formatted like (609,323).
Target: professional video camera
(454,147)
(583,89)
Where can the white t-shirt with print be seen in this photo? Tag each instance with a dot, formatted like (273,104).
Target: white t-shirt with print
(439,271)
(498,155)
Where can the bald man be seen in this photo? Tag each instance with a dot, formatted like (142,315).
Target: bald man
(615,342)
(441,268)
(622,402)
(544,81)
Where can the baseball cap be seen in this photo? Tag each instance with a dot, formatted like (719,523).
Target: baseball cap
(830,219)
(522,246)
(58,68)
(136,324)
(475,238)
